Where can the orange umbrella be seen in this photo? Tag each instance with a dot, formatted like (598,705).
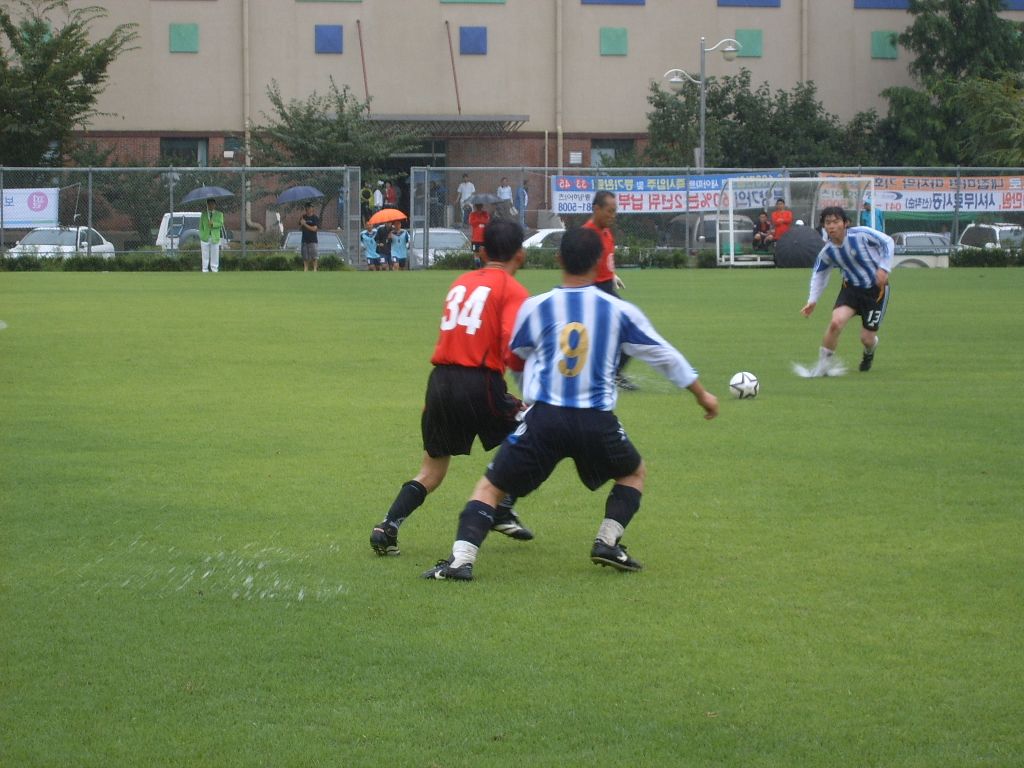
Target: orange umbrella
(385,215)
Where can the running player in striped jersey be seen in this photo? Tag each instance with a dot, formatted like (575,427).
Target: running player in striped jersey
(466,392)
(865,258)
(571,339)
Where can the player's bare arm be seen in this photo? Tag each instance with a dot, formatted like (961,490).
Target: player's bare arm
(808,308)
(705,399)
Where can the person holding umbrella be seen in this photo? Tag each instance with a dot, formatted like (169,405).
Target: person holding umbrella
(478,221)
(309,223)
(211,224)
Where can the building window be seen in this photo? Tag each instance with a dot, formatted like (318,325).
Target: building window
(184,38)
(751,43)
(328,38)
(473,41)
(614,41)
(898,5)
(883,45)
(604,151)
(185,151)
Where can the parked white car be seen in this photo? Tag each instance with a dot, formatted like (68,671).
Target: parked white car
(545,238)
(181,230)
(442,242)
(60,242)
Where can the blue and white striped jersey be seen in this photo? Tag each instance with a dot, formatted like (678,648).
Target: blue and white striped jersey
(571,340)
(862,253)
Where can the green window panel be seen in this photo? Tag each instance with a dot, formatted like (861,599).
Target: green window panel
(614,41)
(883,45)
(751,43)
(184,38)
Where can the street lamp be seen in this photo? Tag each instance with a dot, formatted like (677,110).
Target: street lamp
(679,77)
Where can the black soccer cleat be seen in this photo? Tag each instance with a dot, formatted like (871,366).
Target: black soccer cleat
(615,556)
(625,383)
(384,539)
(506,521)
(444,571)
(867,360)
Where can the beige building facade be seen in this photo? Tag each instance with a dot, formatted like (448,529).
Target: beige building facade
(496,82)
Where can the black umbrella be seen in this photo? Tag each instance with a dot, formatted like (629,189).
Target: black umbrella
(799,247)
(205,193)
(486,198)
(294,194)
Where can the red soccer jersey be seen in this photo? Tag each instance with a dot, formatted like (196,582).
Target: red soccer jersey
(781,220)
(476,326)
(606,264)
(478,222)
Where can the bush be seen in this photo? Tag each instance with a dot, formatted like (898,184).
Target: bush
(986,257)
(662,258)
(155,260)
(707,259)
(460,260)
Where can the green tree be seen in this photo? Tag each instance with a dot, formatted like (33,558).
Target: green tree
(325,130)
(994,119)
(755,128)
(51,74)
(955,43)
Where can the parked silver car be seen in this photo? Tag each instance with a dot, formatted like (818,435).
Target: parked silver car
(442,242)
(1000,235)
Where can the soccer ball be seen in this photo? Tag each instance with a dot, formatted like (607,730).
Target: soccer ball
(744,385)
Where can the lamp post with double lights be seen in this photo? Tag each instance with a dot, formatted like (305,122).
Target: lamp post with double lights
(678,78)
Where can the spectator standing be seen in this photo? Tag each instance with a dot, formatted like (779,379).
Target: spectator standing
(466,392)
(522,200)
(369,243)
(390,195)
(782,219)
(309,223)
(463,192)
(570,339)
(503,208)
(865,217)
(211,226)
(378,196)
(478,221)
(366,201)
(383,237)
(400,246)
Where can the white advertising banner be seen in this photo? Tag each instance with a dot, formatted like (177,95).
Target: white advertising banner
(944,194)
(659,194)
(28,208)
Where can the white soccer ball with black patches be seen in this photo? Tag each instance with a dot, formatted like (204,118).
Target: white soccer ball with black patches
(744,385)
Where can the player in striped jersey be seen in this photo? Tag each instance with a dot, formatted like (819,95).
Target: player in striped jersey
(571,339)
(865,258)
(466,393)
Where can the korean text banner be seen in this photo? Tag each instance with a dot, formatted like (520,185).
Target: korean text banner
(28,208)
(660,194)
(945,194)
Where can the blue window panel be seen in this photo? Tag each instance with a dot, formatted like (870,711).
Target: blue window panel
(751,3)
(329,38)
(614,2)
(899,5)
(473,41)
(1013,5)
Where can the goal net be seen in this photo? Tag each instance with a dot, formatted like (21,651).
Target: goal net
(745,197)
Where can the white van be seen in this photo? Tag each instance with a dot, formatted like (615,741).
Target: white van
(181,230)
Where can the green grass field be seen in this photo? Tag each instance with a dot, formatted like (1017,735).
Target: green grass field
(190,466)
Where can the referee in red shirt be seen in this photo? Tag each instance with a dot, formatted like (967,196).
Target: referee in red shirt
(604,208)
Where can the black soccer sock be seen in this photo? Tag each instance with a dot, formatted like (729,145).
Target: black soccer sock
(622,503)
(475,522)
(412,495)
(506,504)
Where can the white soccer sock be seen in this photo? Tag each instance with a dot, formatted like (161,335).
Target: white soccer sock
(610,532)
(825,354)
(463,552)
(873,347)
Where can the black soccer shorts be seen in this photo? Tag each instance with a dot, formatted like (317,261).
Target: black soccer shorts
(463,403)
(869,303)
(594,440)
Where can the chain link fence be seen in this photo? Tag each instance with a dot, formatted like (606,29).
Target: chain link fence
(667,216)
(125,210)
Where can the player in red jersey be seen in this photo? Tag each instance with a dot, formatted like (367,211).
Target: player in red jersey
(466,392)
(604,208)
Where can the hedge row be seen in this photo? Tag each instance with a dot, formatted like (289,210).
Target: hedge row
(986,257)
(154,261)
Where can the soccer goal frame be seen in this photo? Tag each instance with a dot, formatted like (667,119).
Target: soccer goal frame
(744,197)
